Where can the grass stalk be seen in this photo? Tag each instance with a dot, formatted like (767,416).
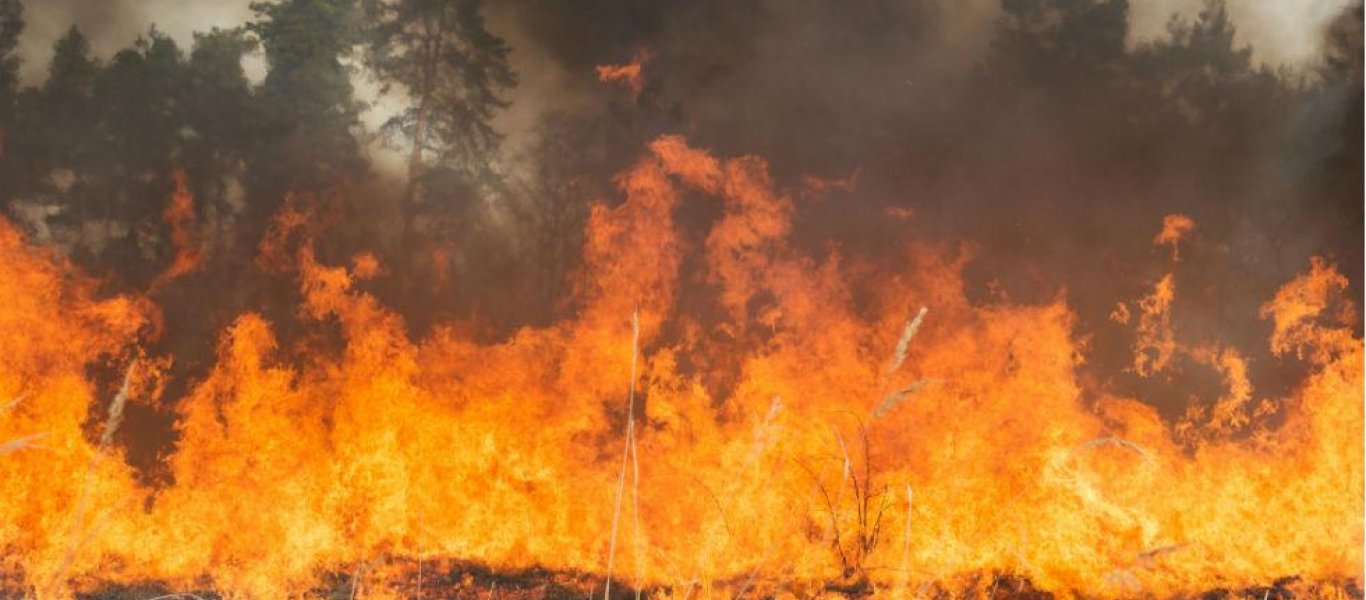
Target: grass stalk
(628,454)
(906,545)
(21,443)
(78,532)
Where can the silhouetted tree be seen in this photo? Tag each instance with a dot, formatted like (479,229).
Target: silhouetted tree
(1067,62)
(224,123)
(309,112)
(53,137)
(453,72)
(139,105)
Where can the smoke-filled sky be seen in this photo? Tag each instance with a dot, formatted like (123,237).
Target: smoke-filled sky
(113,24)
(1280,31)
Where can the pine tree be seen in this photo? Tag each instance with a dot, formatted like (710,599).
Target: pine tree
(453,72)
(223,120)
(55,131)
(139,117)
(309,111)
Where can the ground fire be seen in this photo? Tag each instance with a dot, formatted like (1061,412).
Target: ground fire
(731,388)
(915,440)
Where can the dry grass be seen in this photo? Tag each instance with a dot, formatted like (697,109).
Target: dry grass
(907,334)
(896,397)
(903,344)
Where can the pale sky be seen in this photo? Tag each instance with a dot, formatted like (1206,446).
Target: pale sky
(1280,31)
(114,24)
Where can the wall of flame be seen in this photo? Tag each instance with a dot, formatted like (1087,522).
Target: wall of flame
(975,448)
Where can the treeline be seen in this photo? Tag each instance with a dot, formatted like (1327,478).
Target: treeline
(1058,114)
(90,155)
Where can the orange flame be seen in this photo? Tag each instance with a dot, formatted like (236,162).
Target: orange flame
(179,215)
(760,466)
(1175,229)
(632,73)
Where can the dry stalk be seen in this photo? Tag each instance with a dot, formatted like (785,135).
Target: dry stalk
(420,531)
(870,508)
(628,453)
(21,443)
(906,544)
(904,343)
(833,536)
(890,400)
(79,533)
(635,505)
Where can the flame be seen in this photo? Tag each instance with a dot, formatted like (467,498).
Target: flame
(179,215)
(631,73)
(1156,343)
(1176,228)
(799,424)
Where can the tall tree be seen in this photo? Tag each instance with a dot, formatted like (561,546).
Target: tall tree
(139,116)
(308,103)
(453,72)
(56,127)
(223,118)
(307,126)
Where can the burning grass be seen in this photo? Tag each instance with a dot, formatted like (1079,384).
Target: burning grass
(973,462)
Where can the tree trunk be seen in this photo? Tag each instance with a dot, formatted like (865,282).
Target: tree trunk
(409,262)
(413,193)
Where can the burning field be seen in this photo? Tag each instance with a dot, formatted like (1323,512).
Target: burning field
(736,372)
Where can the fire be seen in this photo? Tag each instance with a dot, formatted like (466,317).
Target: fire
(797,424)
(631,73)
(1175,229)
(179,215)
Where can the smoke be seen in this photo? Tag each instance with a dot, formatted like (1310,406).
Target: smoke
(555,42)
(113,24)
(1054,135)
(1280,33)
